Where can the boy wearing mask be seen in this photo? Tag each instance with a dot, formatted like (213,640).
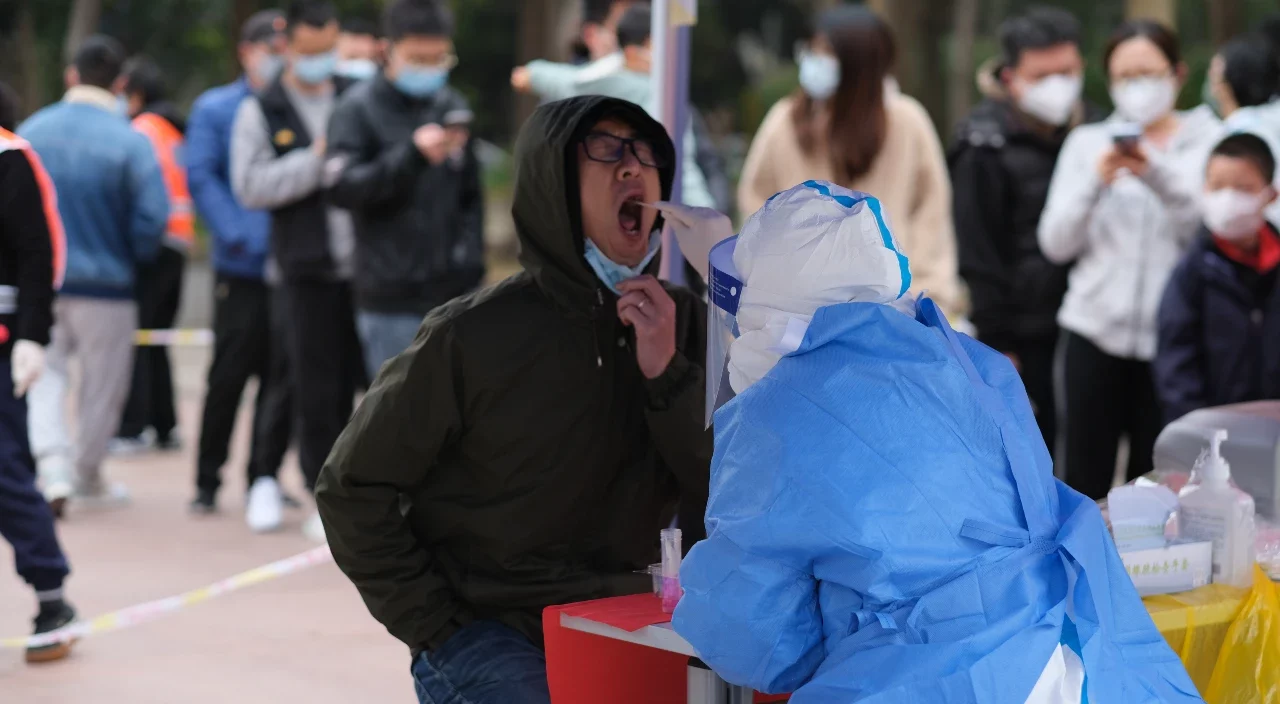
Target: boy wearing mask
(1219,322)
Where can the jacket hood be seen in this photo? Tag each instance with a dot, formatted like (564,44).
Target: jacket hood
(546,208)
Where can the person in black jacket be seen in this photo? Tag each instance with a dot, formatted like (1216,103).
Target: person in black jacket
(278,164)
(404,167)
(1219,321)
(32,255)
(545,429)
(1001,163)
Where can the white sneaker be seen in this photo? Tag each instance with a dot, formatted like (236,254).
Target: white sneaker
(313,528)
(102,498)
(265,510)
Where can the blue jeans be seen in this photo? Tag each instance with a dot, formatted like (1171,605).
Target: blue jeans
(385,335)
(483,663)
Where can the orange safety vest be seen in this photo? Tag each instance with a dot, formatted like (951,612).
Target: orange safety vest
(48,200)
(167,140)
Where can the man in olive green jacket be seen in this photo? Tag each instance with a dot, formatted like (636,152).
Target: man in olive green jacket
(544,429)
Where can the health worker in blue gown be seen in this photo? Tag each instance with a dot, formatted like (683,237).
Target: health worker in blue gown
(884,524)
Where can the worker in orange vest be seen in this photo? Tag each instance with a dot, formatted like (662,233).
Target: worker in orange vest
(151,399)
(32,258)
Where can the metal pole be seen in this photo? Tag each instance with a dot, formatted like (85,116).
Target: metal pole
(670,90)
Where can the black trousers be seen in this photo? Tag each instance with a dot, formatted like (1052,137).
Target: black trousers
(151,393)
(1036,358)
(1104,398)
(327,367)
(243,347)
(25,519)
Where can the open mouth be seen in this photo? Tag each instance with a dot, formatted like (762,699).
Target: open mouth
(629,215)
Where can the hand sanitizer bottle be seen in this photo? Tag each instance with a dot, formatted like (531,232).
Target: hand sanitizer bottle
(1217,511)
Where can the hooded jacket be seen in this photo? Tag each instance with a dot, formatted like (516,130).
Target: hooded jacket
(1001,164)
(540,463)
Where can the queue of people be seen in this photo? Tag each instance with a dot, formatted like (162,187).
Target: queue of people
(1124,269)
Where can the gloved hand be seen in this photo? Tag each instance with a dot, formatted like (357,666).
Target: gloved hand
(27,362)
(697,230)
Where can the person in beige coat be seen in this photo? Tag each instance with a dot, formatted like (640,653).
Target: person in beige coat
(850,125)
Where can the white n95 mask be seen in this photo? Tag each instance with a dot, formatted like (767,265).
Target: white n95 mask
(1052,98)
(819,75)
(1144,100)
(1233,215)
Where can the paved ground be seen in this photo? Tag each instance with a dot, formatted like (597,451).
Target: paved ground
(301,638)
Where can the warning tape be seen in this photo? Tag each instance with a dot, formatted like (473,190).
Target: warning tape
(151,610)
(166,338)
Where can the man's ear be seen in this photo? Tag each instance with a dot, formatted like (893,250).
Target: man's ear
(1270,194)
(1181,72)
(71,76)
(1005,74)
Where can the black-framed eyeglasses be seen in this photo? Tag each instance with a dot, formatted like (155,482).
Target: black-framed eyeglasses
(610,149)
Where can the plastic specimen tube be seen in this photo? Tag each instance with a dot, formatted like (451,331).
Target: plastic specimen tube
(671,553)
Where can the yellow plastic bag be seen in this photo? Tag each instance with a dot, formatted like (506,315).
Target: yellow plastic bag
(1195,624)
(1248,668)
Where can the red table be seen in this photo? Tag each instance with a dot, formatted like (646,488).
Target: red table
(623,651)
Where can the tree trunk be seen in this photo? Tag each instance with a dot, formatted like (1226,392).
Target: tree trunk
(1165,11)
(1224,20)
(964,31)
(83,24)
(540,37)
(28,57)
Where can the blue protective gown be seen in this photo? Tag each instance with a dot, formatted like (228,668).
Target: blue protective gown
(884,526)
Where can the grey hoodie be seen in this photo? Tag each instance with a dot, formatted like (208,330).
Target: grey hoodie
(1125,239)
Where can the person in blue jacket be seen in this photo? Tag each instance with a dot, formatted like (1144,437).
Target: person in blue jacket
(244,344)
(114,208)
(1219,320)
(884,524)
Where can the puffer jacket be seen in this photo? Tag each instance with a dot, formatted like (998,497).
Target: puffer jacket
(540,462)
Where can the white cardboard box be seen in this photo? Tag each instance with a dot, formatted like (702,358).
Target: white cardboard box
(1176,567)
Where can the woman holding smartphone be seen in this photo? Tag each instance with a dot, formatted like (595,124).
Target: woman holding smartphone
(1123,204)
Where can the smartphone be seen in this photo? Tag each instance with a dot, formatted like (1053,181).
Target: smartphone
(458,118)
(1126,137)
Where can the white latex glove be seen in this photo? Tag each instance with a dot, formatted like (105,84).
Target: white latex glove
(697,230)
(27,362)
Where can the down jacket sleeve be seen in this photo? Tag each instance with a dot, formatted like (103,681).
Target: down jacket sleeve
(1179,363)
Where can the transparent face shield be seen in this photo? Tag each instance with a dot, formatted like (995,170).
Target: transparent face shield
(724,290)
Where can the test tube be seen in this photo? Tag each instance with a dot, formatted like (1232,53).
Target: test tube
(671,552)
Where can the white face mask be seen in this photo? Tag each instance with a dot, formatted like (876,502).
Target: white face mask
(1233,215)
(1052,98)
(819,75)
(1144,100)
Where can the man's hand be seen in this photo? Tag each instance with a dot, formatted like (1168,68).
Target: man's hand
(27,362)
(1115,160)
(647,307)
(520,79)
(432,140)
(319,146)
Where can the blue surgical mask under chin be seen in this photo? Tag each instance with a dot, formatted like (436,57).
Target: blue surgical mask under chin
(612,273)
(315,69)
(420,82)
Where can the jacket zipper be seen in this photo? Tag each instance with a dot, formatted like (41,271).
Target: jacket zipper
(595,334)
